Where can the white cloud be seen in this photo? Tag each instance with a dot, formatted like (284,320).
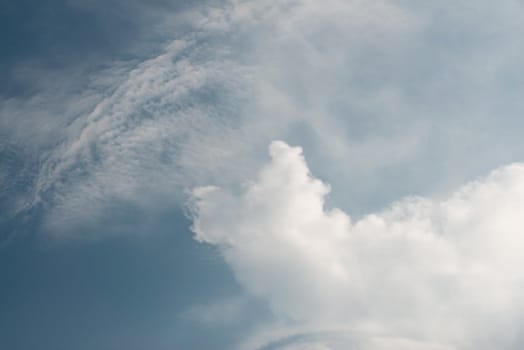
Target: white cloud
(179,119)
(145,138)
(389,97)
(413,87)
(445,271)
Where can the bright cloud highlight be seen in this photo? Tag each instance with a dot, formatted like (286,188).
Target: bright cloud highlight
(446,271)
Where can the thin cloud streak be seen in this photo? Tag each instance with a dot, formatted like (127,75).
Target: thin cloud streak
(342,78)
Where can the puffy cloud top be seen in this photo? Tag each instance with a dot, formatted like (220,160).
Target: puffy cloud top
(445,271)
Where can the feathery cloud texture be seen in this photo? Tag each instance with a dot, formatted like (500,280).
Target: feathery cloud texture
(412,87)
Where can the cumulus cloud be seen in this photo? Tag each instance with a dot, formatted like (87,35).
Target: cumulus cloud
(441,271)
(388,97)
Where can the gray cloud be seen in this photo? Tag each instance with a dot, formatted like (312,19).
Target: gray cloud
(130,103)
(414,88)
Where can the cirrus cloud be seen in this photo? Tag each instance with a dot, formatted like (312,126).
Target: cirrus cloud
(412,87)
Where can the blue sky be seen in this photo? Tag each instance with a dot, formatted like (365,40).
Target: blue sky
(239,174)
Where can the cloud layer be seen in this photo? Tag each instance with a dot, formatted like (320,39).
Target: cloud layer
(446,271)
(412,87)
(388,98)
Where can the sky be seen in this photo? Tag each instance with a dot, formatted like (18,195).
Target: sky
(240,174)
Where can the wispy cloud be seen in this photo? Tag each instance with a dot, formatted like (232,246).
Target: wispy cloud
(413,88)
(387,98)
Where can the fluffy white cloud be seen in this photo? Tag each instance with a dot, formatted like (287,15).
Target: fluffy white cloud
(437,270)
